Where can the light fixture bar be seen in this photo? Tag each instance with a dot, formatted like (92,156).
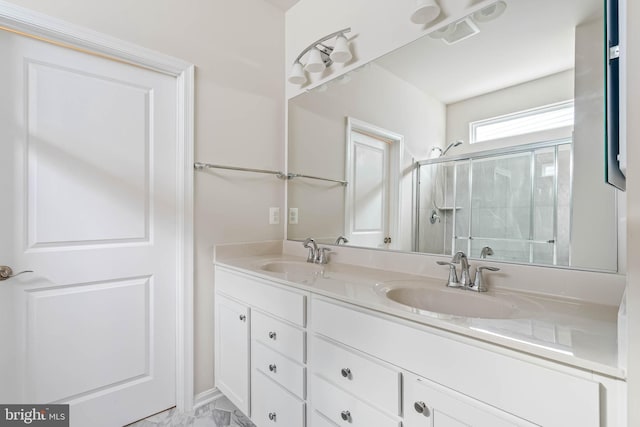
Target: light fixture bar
(319,43)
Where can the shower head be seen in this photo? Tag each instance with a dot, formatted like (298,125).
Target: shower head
(450,146)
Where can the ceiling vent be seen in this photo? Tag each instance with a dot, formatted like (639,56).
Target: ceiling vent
(456,31)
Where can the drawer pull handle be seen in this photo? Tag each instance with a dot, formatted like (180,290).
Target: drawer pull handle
(272,335)
(421,408)
(272,367)
(272,416)
(346,372)
(345,415)
(243,317)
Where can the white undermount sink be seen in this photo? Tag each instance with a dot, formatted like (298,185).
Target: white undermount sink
(458,302)
(291,267)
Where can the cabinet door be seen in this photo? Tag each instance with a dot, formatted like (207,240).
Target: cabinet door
(232,351)
(427,404)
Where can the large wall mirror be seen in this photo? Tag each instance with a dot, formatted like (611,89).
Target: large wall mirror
(486,136)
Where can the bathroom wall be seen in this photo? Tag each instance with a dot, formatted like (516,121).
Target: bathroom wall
(631,67)
(536,93)
(317,123)
(237,47)
(599,227)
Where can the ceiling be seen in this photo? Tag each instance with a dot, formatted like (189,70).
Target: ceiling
(530,40)
(283,4)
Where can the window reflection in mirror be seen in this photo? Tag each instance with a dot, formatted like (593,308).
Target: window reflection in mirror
(543,204)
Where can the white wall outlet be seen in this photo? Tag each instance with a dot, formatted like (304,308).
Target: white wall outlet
(274,216)
(293,215)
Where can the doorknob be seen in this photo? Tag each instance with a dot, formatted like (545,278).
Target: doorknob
(7,273)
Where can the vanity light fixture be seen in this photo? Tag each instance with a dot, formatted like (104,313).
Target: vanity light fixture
(321,56)
(426,11)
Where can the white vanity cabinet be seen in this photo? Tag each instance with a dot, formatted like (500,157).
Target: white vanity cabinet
(358,367)
(475,378)
(261,364)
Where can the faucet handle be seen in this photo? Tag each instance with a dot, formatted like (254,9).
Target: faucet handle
(323,255)
(478,282)
(311,257)
(452,281)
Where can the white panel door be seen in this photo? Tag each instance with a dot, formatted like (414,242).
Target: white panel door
(368,195)
(88,185)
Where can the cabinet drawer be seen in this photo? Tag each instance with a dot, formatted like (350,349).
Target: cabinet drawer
(318,420)
(280,369)
(357,373)
(428,403)
(257,293)
(272,405)
(280,336)
(343,409)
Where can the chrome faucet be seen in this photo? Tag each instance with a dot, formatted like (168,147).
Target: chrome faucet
(341,239)
(313,249)
(316,255)
(465,277)
(486,251)
(465,282)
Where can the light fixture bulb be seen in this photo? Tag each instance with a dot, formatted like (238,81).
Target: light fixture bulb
(341,52)
(425,12)
(315,64)
(297,76)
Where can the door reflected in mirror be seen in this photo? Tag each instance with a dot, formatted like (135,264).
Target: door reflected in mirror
(495,140)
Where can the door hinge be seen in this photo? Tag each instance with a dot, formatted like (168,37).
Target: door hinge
(614,52)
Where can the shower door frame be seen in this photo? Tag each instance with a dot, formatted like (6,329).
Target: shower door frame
(477,155)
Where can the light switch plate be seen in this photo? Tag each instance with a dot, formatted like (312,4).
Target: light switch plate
(293,215)
(274,216)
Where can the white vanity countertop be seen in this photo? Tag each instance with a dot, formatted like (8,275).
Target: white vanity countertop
(576,333)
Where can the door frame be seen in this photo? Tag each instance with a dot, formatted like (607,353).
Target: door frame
(33,24)
(395,167)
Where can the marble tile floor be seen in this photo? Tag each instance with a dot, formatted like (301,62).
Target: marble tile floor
(219,413)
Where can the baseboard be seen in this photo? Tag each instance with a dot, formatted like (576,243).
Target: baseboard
(206,397)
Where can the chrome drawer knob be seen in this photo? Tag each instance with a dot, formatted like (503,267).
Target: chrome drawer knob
(272,416)
(421,408)
(346,372)
(243,317)
(272,335)
(345,415)
(272,367)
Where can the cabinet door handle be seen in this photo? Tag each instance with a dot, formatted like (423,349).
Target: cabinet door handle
(272,416)
(345,415)
(272,335)
(346,372)
(243,317)
(272,367)
(421,408)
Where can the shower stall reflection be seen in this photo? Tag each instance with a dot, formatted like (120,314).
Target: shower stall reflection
(517,202)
